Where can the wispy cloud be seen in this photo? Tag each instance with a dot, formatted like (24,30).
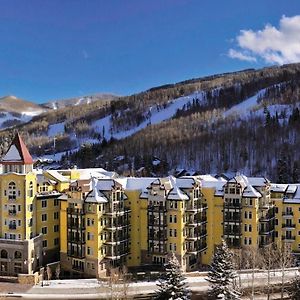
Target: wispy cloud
(273,45)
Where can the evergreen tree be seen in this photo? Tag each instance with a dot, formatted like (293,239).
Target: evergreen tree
(282,168)
(222,274)
(172,286)
(294,289)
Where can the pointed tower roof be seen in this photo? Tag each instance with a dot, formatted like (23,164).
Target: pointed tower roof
(17,153)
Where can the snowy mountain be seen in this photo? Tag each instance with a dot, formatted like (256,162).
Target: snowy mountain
(242,121)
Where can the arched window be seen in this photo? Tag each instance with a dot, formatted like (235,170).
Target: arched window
(4,254)
(30,191)
(18,255)
(11,191)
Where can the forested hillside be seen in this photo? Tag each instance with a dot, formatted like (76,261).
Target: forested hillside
(245,121)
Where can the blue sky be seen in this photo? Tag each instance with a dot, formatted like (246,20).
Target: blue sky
(54,49)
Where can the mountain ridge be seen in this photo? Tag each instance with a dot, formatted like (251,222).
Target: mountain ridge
(192,124)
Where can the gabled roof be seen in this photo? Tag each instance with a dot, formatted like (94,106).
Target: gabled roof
(17,153)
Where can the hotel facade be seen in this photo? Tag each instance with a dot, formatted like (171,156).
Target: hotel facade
(92,220)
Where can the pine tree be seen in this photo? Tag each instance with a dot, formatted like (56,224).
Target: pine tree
(172,286)
(222,274)
(294,289)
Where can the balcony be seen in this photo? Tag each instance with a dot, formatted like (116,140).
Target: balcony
(76,241)
(267,231)
(12,212)
(233,205)
(78,226)
(288,226)
(233,233)
(75,211)
(12,198)
(266,218)
(233,220)
(12,226)
(288,239)
(287,214)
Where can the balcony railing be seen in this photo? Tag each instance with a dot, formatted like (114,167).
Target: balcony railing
(288,238)
(285,225)
(233,205)
(287,213)
(232,232)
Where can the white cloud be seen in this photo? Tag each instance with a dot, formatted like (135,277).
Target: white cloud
(274,45)
(239,55)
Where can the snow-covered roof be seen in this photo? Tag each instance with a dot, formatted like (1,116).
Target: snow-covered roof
(257,181)
(17,152)
(135,183)
(292,188)
(251,192)
(96,196)
(278,187)
(12,154)
(105,184)
(176,193)
(186,182)
(57,176)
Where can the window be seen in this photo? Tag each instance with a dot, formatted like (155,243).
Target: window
(30,190)
(44,203)
(90,222)
(170,233)
(250,240)
(250,228)
(56,228)
(56,241)
(30,207)
(251,202)
(45,243)
(245,227)
(175,233)
(89,251)
(19,207)
(175,219)
(4,254)
(56,215)
(250,214)
(44,217)
(56,202)
(276,221)
(171,218)
(90,236)
(12,191)
(44,230)
(18,255)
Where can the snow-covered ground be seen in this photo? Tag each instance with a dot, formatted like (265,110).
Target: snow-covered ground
(156,117)
(56,129)
(24,117)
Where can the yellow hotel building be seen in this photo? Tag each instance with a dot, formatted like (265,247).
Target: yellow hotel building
(92,220)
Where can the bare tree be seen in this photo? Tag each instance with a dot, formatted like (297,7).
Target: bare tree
(251,260)
(118,283)
(57,271)
(285,260)
(268,255)
(49,273)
